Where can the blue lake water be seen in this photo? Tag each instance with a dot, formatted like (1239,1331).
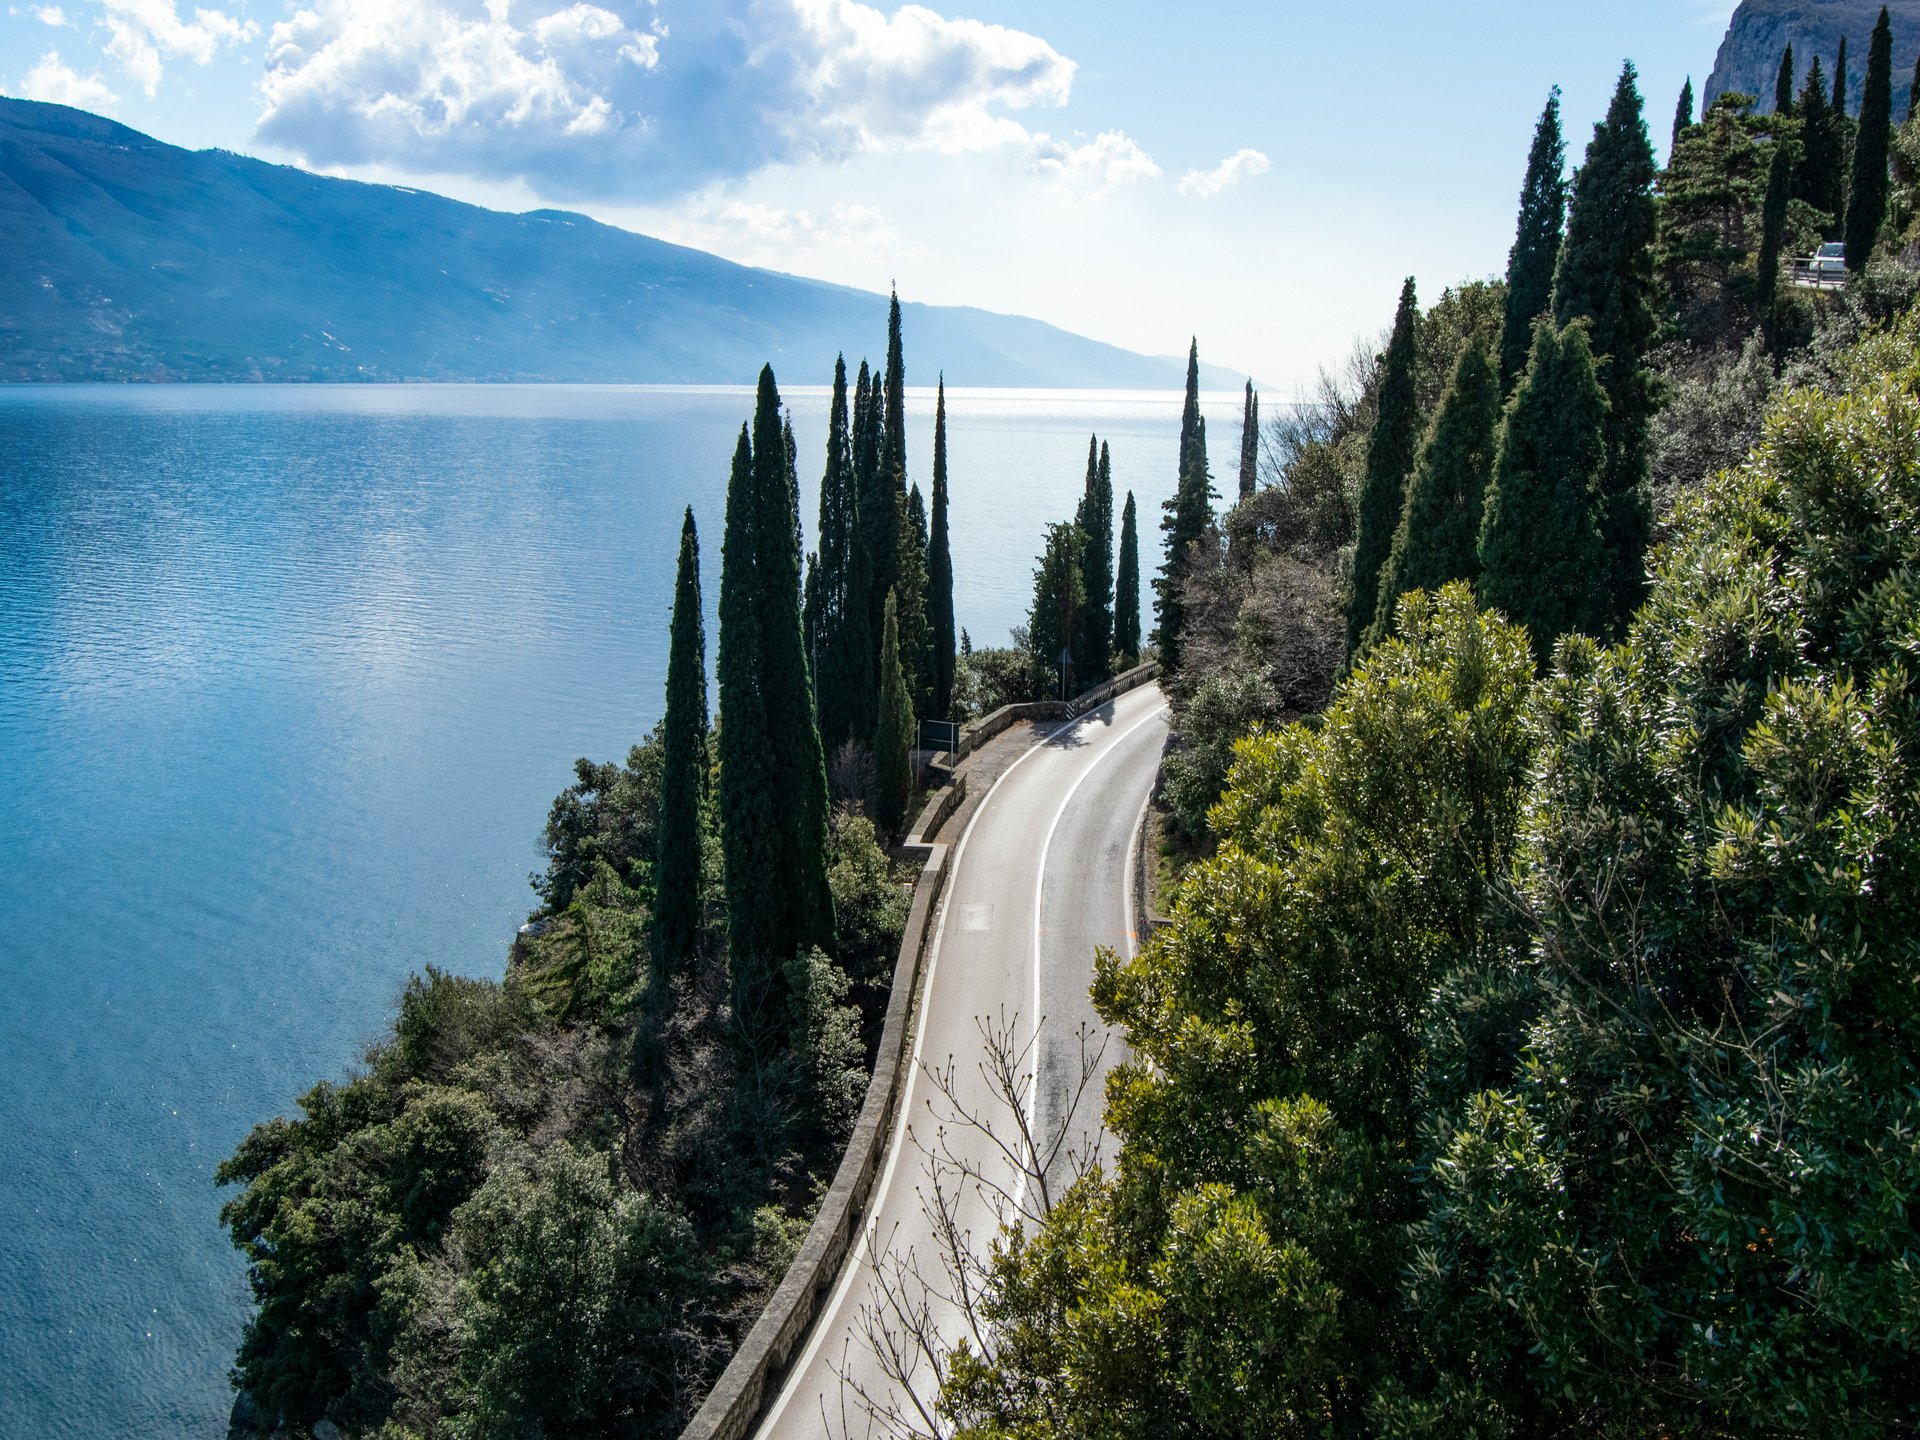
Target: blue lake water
(288,677)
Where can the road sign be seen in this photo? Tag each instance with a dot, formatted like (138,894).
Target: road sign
(939,735)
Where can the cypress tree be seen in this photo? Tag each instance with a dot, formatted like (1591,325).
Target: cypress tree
(1536,242)
(916,629)
(1187,516)
(773,790)
(1867,195)
(895,433)
(1059,597)
(1126,590)
(1390,456)
(1817,178)
(1093,640)
(1249,445)
(842,642)
(1840,85)
(1541,542)
(1773,225)
(1439,535)
(1913,94)
(1682,115)
(881,508)
(940,568)
(1606,277)
(893,736)
(1783,85)
(677,879)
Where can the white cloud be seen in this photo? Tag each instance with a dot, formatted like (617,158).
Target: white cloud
(1240,166)
(53,15)
(1109,159)
(642,101)
(54,81)
(144,34)
(770,230)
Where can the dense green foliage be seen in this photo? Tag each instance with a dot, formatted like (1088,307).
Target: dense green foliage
(1059,600)
(1250,444)
(1683,113)
(1187,522)
(1711,197)
(679,851)
(893,738)
(1093,633)
(1536,243)
(1390,457)
(553,1204)
(1783,85)
(1606,278)
(1538,1057)
(940,571)
(1126,589)
(1867,193)
(1820,182)
(1542,552)
(773,787)
(1439,535)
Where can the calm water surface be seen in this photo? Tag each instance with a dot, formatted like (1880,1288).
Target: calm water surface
(287,680)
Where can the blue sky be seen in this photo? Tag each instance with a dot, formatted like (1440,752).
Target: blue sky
(1262,175)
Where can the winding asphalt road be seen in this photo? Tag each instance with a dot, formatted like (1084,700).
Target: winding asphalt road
(1040,878)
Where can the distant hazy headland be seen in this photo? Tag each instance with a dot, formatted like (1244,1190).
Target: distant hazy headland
(135,260)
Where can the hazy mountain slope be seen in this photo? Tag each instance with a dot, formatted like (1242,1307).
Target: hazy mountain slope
(1760,31)
(130,259)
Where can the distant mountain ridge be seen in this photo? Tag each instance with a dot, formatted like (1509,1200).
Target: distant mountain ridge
(1761,30)
(129,259)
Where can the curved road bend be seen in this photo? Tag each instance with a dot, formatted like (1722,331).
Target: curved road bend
(1040,878)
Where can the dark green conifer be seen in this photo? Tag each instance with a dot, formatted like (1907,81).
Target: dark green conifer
(1439,536)
(1817,178)
(1250,445)
(1606,277)
(1390,456)
(882,509)
(1541,546)
(916,627)
(940,568)
(893,737)
(1186,519)
(1126,590)
(773,790)
(1840,82)
(1773,227)
(1867,195)
(1536,242)
(1682,114)
(1093,641)
(1913,94)
(1783,85)
(677,878)
(1059,596)
(842,642)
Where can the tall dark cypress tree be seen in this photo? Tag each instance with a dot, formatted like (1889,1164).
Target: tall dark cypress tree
(881,509)
(1867,195)
(1536,242)
(1390,456)
(677,877)
(1682,114)
(1913,94)
(1773,226)
(1187,518)
(893,735)
(1817,178)
(1840,84)
(841,643)
(916,627)
(1126,589)
(940,568)
(1439,536)
(1783,85)
(1093,641)
(1250,445)
(1842,117)
(1541,547)
(1606,277)
(773,791)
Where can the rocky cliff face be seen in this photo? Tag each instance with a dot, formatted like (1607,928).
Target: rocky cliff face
(1750,55)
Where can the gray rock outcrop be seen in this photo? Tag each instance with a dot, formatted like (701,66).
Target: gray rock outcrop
(1761,30)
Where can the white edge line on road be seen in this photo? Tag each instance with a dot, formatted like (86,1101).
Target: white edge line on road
(1039,908)
(850,1267)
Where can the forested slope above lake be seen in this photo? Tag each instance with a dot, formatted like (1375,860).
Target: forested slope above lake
(142,261)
